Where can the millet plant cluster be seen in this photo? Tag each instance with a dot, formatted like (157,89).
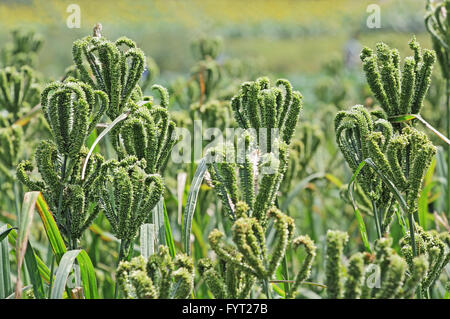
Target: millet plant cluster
(117,218)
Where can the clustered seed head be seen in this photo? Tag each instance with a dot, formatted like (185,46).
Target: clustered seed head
(159,277)
(127,194)
(204,48)
(226,280)
(72,110)
(69,192)
(116,68)
(250,253)
(22,50)
(403,156)
(438,25)
(398,91)
(258,105)
(147,133)
(207,72)
(305,269)
(10,148)
(301,152)
(252,169)
(19,91)
(434,252)
(396,277)
(103,81)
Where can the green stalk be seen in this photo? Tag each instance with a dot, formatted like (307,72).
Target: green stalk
(267,289)
(377,219)
(16,198)
(122,249)
(412,234)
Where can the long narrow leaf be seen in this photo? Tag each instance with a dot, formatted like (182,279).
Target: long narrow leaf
(25,219)
(191,203)
(4,233)
(360,220)
(64,269)
(158,221)
(43,269)
(147,240)
(409,117)
(110,126)
(5,269)
(87,276)
(34,273)
(53,234)
(168,232)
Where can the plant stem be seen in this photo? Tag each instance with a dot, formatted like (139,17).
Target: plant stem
(16,198)
(122,248)
(412,234)
(267,289)
(287,287)
(377,220)
(61,190)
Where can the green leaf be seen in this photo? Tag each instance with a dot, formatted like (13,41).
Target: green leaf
(25,219)
(401,201)
(298,188)
(4,233)
(360,220)
(102,134)
(147,240)
(168,231)
(5,269)
(158,221)
(53,234)
(43,269)
(86,272)
(191,203)
(409,117)
(34,273)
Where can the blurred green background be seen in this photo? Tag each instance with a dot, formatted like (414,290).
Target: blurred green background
(293,37)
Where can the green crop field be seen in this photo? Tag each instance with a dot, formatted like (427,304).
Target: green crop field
(208,149)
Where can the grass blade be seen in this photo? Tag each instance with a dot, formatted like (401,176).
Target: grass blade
(168,231)
(87,276)
(102,134)
(53,234)
(147,240)
(34,273)
(359,219)
(158,221)
(25,219)
(5,269)
(4,232)
(42,267)
(191,203)
(409,117)
(64,269)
